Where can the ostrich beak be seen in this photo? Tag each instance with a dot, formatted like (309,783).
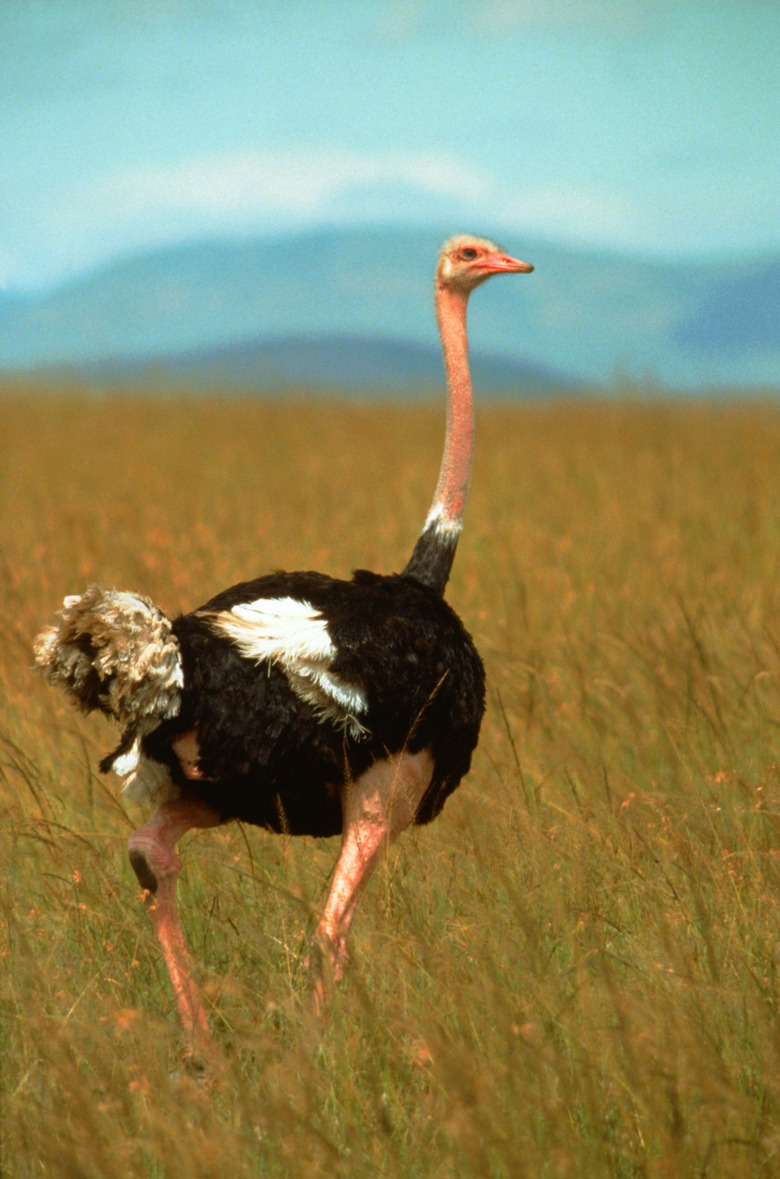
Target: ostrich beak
(503,264)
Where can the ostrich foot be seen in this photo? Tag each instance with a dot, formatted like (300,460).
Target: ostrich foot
(325,964)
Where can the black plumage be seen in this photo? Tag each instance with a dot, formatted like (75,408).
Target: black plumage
(268,758)
(432,557)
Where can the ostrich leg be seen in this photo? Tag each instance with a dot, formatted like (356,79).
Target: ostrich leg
(155,863)
(376,808)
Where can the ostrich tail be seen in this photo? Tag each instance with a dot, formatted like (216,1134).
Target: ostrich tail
(115,652)
(432,557)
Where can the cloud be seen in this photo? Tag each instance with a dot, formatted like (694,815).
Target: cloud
(297,183)
(300,187)
(151,206)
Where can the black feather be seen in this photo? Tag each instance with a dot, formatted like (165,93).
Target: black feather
(432,557)
(269,758)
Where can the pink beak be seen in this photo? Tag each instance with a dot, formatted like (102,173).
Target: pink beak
(502,263)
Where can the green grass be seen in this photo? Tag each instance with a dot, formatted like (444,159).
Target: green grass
(574,970)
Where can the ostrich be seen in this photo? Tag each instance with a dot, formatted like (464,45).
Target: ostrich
(298,702)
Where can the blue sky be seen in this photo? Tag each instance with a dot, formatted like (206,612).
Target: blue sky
(649,125)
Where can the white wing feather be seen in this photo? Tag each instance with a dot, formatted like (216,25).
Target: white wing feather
(294,635)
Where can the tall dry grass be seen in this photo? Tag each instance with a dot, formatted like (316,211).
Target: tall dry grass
(574,971)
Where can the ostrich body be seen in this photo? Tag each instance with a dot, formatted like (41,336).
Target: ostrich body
(299,702)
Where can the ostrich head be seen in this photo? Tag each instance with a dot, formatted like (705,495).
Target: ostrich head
(465,262)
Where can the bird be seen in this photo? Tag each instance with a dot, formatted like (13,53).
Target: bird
(302,703)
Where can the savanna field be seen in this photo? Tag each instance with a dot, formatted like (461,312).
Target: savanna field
(575,971)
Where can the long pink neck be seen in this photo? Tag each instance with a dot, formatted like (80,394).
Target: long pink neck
(432,557)
(455,473)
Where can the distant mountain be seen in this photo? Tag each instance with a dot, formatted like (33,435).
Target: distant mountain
(343,308)
(741,317)
(346,365)
(11,304)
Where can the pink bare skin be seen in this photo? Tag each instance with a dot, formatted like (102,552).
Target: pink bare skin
(452,296)
(187,750)
(376,809)
(157,866)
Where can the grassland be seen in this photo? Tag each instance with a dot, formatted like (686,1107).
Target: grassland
(574,971)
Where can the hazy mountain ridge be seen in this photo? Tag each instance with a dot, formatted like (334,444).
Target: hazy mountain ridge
(335,306)
(348,365)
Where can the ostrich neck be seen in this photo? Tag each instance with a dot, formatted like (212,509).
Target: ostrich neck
(452,487)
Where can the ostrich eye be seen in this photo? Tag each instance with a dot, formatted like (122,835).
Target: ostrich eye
(468,253)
